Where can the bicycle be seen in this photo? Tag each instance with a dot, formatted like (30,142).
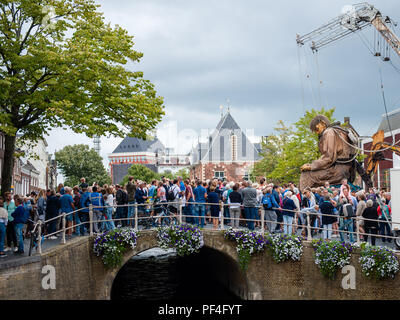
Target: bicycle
(33,243)
(163,215)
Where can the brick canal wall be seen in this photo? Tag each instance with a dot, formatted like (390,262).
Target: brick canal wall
(79,274)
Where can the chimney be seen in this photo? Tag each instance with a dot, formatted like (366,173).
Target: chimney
(347,120)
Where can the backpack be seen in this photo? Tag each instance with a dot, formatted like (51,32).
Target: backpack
(348,211)
(267,202)
(385,212)
(26,216)
(124,197)
(171,194)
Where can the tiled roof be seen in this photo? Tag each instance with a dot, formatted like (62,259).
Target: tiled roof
(120,170)
(131,144)
(219,146)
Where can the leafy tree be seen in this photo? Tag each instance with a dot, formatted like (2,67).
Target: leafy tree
(285,152)
(79,161)
(271,150)
(61,65)
(184,173)
(140,172)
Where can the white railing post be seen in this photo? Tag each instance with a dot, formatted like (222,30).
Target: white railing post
(90,219)
(39,239)
(262,220)
(180,213)
(136,218)
(222,208)
(309,236)
(357,230)
(63,227)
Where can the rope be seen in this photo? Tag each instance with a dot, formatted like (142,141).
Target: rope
(373,151)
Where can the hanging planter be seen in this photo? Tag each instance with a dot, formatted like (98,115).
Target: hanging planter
(330,256)
(284,247)
(185,239)
(378,262)
(111,245)
(248,243)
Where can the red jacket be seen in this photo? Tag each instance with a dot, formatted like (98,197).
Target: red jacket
(380,212)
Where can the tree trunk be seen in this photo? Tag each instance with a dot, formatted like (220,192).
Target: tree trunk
(8,166)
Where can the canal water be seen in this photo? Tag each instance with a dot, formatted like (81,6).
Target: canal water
(157,274)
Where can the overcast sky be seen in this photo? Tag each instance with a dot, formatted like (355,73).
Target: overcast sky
(201,53)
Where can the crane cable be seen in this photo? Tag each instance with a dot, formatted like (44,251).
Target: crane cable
(309,77)
(319,79)
(382,88)
(301,78)
(384,103)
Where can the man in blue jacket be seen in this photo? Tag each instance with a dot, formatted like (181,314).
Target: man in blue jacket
(20,219)
(84,213)
(97,200)
(288,214)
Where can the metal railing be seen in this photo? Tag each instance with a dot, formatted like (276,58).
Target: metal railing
(149,214)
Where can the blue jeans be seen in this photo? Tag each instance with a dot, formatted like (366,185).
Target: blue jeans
(346,224)
(131,212)
(77,221)
(384,230)
(227,215)
(52,226)
(83,218)
(287,227)
(189,210)
(108,225)
(2,235)
(250,213)
(200,211)
(18,230)
(120,215)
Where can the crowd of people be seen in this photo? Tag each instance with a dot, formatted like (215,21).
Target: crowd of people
(330,210)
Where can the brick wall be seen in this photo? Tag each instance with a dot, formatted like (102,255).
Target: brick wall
(81,275)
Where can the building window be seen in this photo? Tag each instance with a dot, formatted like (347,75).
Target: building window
(219,174)
(234,147)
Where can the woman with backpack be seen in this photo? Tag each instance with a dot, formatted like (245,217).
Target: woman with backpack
(269,203)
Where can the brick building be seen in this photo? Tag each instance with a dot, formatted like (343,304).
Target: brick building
(382,178)
(227,154)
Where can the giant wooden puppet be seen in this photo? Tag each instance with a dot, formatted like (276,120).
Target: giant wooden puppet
(337,155)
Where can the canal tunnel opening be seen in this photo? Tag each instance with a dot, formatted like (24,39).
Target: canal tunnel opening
(156,274)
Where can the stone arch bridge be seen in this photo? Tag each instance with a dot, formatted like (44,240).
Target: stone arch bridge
(79,274)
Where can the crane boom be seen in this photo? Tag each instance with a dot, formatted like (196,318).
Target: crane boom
(361,16)
(387,34)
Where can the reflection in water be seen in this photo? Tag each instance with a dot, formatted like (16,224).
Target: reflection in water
(159,275)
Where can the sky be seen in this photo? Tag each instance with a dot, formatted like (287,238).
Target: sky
(204,54)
